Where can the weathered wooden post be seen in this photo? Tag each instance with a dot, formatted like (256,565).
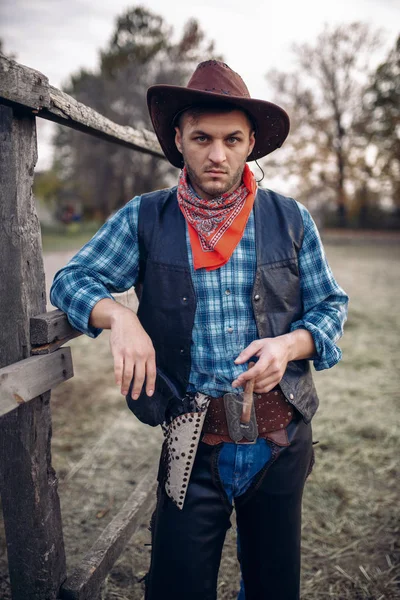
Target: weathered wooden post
(28,483)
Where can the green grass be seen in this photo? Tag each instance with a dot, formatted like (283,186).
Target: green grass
(67,237)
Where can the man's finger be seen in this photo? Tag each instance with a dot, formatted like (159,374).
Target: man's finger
(248,352)
(127,376)
(150,376)
(138,379)
(252,373)
(118,369)
(265,385)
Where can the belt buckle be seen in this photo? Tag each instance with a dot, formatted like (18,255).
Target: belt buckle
(233,404)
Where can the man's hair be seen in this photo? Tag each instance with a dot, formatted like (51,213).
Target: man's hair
(196,111)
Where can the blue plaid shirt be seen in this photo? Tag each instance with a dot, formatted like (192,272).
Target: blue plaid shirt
(224,321)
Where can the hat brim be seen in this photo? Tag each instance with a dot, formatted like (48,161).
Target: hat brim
(166,101)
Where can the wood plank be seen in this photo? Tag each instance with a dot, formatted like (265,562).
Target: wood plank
(22,85)
(28,484)
(18,81)
(49,348)
(85,582)
(50,327)
(64,109)
(32,377)
(22,283)
(29,496)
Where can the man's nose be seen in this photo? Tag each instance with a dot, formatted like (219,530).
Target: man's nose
(217,152)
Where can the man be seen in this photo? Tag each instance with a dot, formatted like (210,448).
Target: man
(235,297)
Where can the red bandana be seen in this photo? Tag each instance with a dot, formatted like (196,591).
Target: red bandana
(216,226)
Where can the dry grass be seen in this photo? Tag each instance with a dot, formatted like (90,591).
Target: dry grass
(351,503)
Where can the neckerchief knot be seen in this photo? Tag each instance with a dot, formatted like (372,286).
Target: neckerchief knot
(216,226)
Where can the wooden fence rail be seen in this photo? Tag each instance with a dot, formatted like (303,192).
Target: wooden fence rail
(22,87)
(33,358)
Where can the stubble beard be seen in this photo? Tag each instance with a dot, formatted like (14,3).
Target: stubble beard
(211,189)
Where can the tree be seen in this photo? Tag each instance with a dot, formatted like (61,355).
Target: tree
(141,52)
(324,153)
(47,186)
(382,123)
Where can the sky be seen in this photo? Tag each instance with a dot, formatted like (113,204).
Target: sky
(58,37)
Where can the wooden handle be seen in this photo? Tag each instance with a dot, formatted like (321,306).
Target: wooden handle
(247,399)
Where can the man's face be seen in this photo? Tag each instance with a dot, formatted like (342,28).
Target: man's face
(215,147)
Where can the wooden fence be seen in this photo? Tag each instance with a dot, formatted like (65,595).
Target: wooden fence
(33,359)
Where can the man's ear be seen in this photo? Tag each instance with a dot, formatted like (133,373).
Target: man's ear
(252,141)
(178,139)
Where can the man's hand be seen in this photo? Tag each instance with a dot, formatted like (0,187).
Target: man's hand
(131,347)
(273,356)
(133,354)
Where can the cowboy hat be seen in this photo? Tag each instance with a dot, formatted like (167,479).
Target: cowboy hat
(213,82)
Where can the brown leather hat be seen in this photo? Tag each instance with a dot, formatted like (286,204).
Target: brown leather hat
(213,82)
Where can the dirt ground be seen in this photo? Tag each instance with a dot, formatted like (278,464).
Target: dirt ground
(351,504)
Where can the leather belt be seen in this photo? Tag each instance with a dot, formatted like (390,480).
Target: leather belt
(273,414)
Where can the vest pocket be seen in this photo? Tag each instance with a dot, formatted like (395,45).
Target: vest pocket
(279,286)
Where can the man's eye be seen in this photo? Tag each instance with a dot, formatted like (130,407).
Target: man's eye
(201,138)
(233,140)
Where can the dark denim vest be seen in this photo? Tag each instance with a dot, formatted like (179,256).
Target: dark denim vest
(167,299)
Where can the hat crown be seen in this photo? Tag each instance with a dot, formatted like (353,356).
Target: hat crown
(214,83)
(216,77)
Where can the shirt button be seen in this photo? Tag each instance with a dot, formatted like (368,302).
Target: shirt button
(256,297)
(230,329)
(227,292)
(291,396)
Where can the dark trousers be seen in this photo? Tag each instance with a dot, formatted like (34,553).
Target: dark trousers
(187,544)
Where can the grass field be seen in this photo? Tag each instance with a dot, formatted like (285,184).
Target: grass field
(351,504)
(66,237)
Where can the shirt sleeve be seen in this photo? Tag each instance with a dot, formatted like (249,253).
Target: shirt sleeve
(108,263)
(324,302)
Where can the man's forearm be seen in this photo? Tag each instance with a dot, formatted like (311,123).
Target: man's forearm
(105,312)
(300,344)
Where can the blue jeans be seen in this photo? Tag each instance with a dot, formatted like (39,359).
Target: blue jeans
(237,465)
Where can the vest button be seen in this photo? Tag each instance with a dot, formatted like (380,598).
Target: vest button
(182,351)
(256,297)
(291,396)
(184,299)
